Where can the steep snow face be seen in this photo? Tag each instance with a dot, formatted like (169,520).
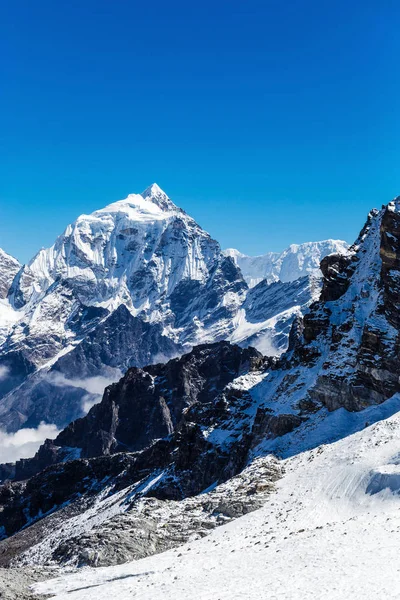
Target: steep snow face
(143,252)
(9,267)
(136,250)
(296,261)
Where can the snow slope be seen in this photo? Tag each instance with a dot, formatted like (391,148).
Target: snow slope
(296,261)
(330,531)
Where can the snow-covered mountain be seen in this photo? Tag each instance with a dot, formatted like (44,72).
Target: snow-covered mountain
(216,433)
(133,283)
(296,261)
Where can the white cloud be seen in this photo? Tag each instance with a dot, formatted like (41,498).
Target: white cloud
(90,400)
(25,442)
(4,371)
(94,386)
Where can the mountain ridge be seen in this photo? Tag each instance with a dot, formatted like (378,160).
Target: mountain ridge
(297,260)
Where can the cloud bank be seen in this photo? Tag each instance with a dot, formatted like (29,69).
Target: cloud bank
(94,386)
(25,442)
(3,372)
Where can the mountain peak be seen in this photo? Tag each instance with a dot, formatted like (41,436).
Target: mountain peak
(158,197)
(152,191)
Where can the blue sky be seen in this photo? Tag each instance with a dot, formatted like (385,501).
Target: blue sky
(270,122)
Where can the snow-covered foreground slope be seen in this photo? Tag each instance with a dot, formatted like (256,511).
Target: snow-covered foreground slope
(296,261)
(331,530)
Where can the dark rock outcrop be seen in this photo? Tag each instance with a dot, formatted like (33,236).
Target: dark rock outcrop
(334,269)
(162,412)
(355,327)
(7,472)
(147,404)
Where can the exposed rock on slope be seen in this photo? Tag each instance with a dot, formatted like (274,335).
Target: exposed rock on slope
(110,529)
(176,404)
(147,404)
(344,352)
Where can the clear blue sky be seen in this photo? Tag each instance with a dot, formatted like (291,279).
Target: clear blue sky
(269,121)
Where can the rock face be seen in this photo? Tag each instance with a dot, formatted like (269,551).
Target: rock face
(146,405)
(299,260)
(190,419)
(351,336)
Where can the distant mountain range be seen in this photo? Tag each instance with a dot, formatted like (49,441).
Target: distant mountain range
(296,261)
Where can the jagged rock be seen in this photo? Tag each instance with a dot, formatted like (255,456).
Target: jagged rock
(270,425)
(355,328)
(334,269)
(157,397)
(296,333)
(7,472)
(164,413)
